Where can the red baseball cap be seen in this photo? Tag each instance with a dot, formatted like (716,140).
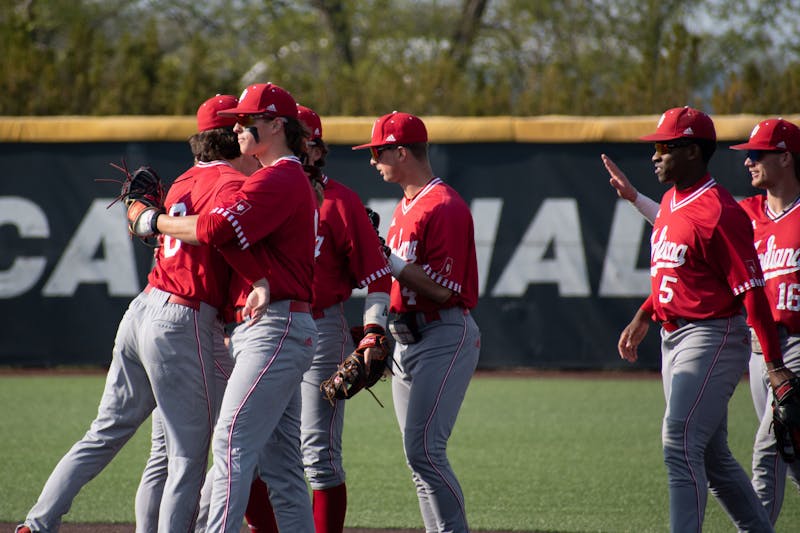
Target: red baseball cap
(307,116)
(683,122)
(207,117)
(396,128)
(264,99)
(772,134)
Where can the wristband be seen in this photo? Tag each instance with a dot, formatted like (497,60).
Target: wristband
(398,264)
(376,309)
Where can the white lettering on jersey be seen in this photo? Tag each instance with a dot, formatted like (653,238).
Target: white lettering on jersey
(405,249)
(778,261)
(665,254)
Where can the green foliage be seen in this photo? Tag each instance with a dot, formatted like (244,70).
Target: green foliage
(532,454)
(348,57)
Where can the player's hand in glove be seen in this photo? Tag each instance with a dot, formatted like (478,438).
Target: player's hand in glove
(375,219)
(142,193)
(353,374)
(373,346)
(786,419)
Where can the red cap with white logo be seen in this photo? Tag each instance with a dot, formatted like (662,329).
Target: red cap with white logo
(396,128)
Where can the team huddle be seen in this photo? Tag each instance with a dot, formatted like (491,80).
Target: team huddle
(239,343)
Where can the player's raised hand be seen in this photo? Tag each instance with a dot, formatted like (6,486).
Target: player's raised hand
(632,336)
(619,180)
(257,301)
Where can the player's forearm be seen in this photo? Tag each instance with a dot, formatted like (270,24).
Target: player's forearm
(758,310)
(415,278)
(182,228)
(646,206)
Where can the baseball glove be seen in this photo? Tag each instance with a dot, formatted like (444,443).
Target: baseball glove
(143,194)
(375,219)
(143,185)
(352,376)
(786,419)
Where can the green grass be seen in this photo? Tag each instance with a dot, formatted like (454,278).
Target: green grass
(532,454)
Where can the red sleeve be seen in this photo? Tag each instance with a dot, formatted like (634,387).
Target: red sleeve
(213,228)
(243,262)
(448,235)
(382,284)
(732,247)
(367,262)
(760,317)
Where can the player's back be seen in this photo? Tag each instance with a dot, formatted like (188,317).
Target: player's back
(194,272)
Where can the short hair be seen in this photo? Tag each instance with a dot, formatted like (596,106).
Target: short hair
(214,145)
(418,150)
(707,148)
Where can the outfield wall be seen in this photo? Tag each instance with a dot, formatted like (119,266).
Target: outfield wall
(563,262)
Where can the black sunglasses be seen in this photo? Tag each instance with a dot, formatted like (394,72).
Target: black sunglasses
(666,147)
(376,151)
(757,155)
(248,120)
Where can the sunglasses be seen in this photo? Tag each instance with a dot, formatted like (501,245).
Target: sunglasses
(376,151)
(248,121)
(757,155)
(667,147)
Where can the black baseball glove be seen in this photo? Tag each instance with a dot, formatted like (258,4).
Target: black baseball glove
(375,219)
(143,194)
(352,375)
(142,185)
(786,419)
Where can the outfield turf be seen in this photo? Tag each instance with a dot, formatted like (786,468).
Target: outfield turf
(544,453)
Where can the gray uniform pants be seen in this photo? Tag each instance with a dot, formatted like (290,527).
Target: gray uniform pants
(258,429)
(702,362)
(162,356)
(769,470)
(151,486)
(429,384)
(322,424)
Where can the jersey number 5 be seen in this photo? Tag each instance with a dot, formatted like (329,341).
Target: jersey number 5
(665,292)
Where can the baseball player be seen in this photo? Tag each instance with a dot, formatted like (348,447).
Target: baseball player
(266,230)
(349,255)
(217,162)
(703,270)
(433,261)
(162,357)
(772,149)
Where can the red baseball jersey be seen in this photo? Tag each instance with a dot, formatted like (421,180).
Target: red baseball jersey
(195,272)
(435,230)
(348,251)
(702,258)
(273,218)
(777,242)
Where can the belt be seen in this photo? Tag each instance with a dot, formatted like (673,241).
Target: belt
(180,300)
(295,306)
(433,316)
(674,324)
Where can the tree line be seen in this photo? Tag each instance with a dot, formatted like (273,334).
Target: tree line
(429,57)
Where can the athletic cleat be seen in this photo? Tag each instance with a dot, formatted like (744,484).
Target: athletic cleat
(22,528)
